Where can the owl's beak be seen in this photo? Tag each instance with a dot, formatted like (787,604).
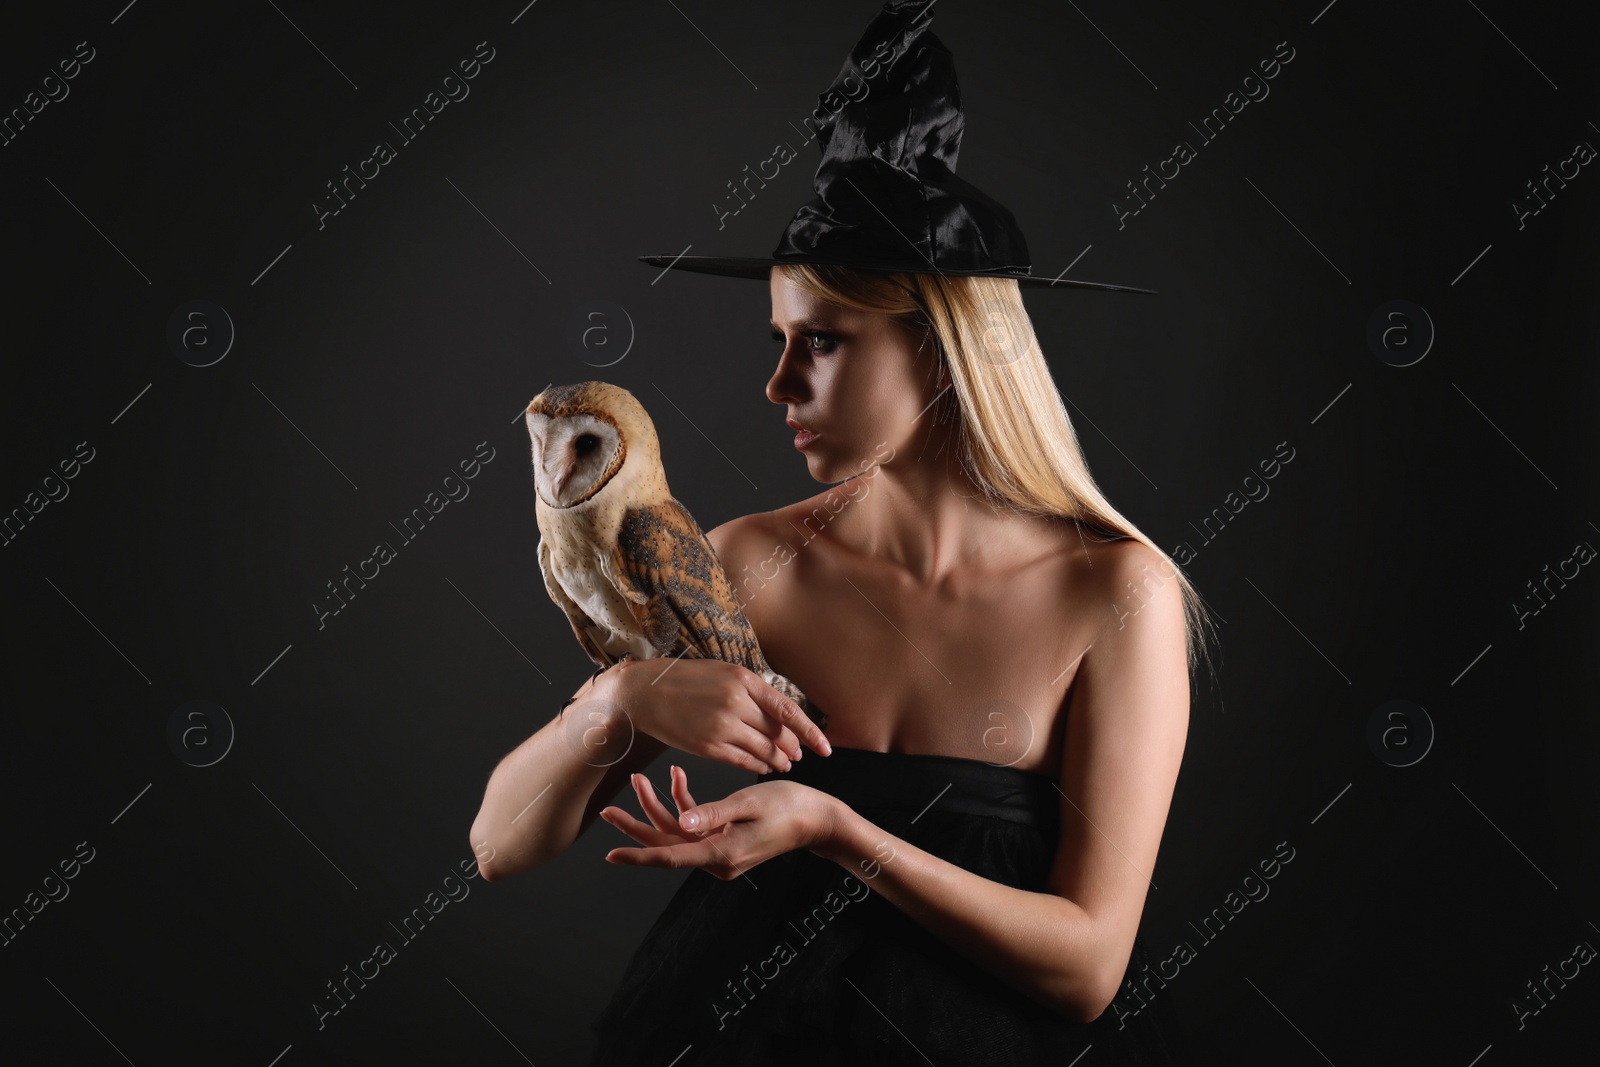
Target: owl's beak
(560,476)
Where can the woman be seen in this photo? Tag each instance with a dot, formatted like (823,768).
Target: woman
(1004,660)
(958,874)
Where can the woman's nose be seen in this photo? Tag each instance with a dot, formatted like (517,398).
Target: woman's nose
(786,385)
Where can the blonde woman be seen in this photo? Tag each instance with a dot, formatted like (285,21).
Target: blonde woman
(957,871)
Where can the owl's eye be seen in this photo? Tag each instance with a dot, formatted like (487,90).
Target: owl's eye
(586,443)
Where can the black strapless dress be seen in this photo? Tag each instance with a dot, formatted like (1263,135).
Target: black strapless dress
(800,962)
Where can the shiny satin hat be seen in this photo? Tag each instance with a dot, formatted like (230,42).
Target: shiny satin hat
(888,197)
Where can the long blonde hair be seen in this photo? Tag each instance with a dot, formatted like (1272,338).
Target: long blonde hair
(1015,437)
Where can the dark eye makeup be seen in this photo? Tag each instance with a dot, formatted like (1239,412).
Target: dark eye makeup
(822,343)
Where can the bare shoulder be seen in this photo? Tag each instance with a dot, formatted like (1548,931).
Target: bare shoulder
(1121,578)
(743,539)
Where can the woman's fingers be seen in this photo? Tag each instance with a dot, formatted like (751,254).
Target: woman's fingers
(763,748)
(785,711)
(727,752)
(641,832)
(657,812)
(680,788)
(782,737)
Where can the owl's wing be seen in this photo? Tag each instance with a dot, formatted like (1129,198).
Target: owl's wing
(678,588)
(575,615)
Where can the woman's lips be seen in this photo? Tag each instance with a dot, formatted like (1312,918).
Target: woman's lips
(803,437)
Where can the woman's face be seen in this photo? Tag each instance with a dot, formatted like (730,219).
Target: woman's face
(854,379)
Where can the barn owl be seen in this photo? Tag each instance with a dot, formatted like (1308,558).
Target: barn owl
(625,561)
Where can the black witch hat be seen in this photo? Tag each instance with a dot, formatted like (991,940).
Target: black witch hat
(888,197)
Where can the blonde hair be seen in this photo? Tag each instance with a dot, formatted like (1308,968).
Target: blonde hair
(1015,437)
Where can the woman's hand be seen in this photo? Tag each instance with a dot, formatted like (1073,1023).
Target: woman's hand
(725,837)
(714,709)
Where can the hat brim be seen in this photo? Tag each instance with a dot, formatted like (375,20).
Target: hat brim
(761,270)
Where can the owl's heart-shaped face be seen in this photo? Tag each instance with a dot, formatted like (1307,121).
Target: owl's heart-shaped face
(572,456)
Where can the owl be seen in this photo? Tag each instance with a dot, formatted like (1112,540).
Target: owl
(625,561)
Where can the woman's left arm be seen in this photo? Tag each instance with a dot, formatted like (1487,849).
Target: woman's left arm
(1126,727)
(1066,947)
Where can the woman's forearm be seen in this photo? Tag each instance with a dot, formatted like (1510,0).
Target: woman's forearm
(543,793)
(1041,944)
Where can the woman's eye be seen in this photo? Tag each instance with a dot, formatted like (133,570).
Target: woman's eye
(821,343)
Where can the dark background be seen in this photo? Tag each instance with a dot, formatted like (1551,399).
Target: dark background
(374,354)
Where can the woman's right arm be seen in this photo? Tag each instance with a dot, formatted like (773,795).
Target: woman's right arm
(541,796)
(548,790)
